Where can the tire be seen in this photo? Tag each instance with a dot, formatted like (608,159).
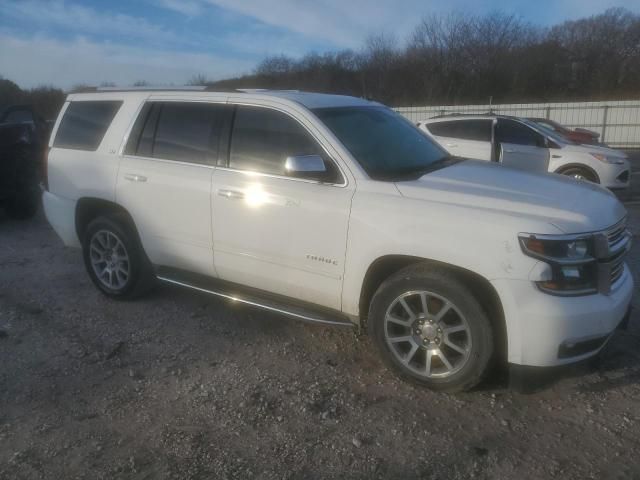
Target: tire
(580,173)
(454,326)
(114,258)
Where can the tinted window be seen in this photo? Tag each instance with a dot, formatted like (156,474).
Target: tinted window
(479,130)
(85,123)
(509,131)
(548,125)
(442,129)
(387,145)
(148,125)
(262,140)
(18,116)
(188,132)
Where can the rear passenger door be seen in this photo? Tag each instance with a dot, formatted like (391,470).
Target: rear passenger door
(164,180)
(464,138)
(521,147)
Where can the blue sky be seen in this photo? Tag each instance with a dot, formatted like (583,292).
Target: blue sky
(68,42)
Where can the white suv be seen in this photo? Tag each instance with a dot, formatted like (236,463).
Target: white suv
(521,143)
(337,210)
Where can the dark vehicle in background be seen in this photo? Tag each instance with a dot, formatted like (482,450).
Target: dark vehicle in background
(578,135)
(23,142)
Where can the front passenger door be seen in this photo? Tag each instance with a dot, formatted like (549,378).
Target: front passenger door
(519,146)
(272,231)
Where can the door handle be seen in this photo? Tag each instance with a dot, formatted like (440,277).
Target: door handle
(231,194)
(135,178)
(508,150)
(451,144)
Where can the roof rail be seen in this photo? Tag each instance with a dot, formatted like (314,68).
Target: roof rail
(260,90)
(490,113)
(189,88)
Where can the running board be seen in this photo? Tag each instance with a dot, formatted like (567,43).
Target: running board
(272,305)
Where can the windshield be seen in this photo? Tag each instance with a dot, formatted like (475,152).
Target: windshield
(387,145)
(548,132)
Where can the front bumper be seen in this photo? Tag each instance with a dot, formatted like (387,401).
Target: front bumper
(545,330)
(615,176)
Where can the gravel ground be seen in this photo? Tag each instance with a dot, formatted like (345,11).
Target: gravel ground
(181,385)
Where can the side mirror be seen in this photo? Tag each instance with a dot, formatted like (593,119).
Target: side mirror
(305,166)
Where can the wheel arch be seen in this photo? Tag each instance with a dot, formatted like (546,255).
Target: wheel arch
(583,166)
(88,208)
(383,267)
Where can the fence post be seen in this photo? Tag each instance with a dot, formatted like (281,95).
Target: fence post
(548,112)
(605,113)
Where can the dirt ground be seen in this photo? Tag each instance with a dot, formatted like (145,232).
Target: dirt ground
(182,385)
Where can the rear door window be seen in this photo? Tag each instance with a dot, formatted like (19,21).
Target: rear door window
(479,130)
(181,131)
(85,123)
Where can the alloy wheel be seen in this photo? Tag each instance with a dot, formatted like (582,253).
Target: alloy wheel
(428,334)
(109,259)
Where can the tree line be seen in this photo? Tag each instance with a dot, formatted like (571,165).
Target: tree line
(458,58)
(448,59)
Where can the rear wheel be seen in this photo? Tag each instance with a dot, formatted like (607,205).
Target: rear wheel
(431,330)
(580,173)
(115,259)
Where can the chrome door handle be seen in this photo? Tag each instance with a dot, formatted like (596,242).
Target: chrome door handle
(135,178)
(451,144)
(509,151)
(231,194)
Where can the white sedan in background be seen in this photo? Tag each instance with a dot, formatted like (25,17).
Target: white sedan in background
(520,143)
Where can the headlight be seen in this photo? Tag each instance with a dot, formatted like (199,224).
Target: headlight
(573,263)
(605,159)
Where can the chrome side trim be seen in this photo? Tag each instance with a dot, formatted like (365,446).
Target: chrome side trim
(270,308)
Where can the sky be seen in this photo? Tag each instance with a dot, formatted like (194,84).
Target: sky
(70,42)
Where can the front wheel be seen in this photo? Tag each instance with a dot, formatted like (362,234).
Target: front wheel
(580,173)
(431,330)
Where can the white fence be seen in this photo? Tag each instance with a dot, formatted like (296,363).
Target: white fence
(617,122)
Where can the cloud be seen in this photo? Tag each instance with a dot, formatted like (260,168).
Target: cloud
(346,23)
(75,18)
(45,61)
(189,8)
(339,22)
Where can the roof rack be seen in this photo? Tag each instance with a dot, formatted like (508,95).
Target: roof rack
(190,88)
(463,114)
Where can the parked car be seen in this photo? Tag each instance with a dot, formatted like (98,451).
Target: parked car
(23,139)
(577,135)
(520,143)
(337,210)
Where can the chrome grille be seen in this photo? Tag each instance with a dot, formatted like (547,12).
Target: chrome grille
(616,271)
(618,239)
(616,234)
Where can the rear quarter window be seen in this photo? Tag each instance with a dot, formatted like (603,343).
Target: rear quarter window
(85,123)
(478,130)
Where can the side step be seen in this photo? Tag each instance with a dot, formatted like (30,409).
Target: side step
(258,299)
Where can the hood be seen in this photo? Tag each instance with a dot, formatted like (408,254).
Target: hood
(569,205)
(609,152)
